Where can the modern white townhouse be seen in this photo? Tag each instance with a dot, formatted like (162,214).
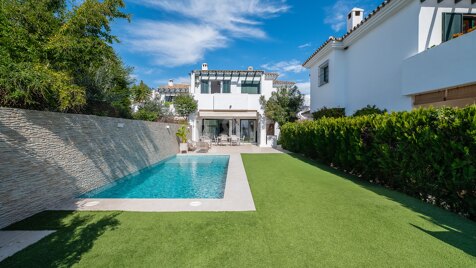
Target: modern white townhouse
(228,103)
(404,54)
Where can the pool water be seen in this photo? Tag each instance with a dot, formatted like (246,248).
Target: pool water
(177,177)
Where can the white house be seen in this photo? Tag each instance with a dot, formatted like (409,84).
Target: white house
(402,55)
(168,92)
(228,103)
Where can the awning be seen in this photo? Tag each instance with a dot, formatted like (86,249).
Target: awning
(228,114)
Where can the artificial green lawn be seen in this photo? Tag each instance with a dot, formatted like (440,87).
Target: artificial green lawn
(307,215)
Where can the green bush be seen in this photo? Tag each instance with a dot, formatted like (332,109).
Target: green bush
(426,153)
(369,110)
(329,113)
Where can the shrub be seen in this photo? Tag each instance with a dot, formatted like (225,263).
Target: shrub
(329,113)
(426,153)
(185,105)
(369,110)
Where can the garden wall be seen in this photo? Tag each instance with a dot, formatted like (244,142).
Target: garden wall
(49,157)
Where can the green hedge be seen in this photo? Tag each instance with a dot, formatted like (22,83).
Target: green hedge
(427,153)
(329,113)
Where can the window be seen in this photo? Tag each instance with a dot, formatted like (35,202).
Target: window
(215,85)
(457,23)
(250,88)
(469,22)
(205,87)
(226,86)
(169,98)
(324,74)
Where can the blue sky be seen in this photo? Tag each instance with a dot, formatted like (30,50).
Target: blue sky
(166,39)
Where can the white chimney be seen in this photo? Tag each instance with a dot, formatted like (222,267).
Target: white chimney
(355,17)
(205,67)
(171,83)
(250,68)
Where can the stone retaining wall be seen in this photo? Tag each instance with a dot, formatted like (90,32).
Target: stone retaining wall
(49,157)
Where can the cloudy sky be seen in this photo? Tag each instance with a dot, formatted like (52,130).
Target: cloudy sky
(166,39)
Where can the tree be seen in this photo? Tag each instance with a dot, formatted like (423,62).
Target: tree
(185,105)
(283,105)
(151,110)
(141,92)
(58,57)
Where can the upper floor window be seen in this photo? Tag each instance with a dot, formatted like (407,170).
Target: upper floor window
(455,24)
(250,88)
(324,74)
(205,87)
(226,86)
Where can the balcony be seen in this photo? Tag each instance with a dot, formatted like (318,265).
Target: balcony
(232,102)
(448,65)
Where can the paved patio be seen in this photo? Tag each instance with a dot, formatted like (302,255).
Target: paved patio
(243,149)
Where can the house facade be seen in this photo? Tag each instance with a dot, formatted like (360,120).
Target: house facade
(405,54)
(229,103)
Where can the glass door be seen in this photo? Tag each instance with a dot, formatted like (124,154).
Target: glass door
(248,130)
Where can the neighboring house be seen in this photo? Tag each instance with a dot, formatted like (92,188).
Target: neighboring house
(228,103)
(168,92)
(403,55)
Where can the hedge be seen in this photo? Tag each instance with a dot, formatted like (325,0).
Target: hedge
(426,153)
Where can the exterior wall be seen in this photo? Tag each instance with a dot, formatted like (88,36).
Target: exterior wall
(368,66)
(48,157)
(331,94)
(374,62)
(431,20)
(448,65)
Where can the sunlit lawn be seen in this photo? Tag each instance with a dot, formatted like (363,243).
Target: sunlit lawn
(307,215)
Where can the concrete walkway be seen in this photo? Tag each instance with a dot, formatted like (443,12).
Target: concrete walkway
(13,241)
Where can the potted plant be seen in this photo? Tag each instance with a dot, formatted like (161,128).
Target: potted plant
(182,135)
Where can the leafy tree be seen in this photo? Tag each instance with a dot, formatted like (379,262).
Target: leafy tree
(283,105)
(141,92)
(151,110)
(185,105)
(59,58)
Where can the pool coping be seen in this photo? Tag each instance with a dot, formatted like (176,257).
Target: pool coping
(237,197)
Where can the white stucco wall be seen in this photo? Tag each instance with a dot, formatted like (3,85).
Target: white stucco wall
(367,67)
(448,65)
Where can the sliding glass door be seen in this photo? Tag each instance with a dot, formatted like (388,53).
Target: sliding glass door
(213,128)
(248,130)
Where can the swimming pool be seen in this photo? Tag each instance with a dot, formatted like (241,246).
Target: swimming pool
(184,177)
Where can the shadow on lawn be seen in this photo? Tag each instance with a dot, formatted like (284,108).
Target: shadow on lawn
(459,232)
(75,235)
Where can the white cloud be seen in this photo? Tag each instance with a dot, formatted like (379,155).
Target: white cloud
(336,15)
(293,66)
(305,45)
(204,25)
(172,44)
(304,87)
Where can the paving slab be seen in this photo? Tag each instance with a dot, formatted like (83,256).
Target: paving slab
(13,241)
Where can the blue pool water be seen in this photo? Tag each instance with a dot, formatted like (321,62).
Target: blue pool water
(177,177)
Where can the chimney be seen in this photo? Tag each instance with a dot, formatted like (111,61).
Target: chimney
(355,17)
(171,83)
(205,67)
(250,68)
